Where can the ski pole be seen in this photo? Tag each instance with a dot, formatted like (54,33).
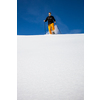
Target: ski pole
(58,28)
(44,27)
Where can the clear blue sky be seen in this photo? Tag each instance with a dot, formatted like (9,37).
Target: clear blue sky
(69,15)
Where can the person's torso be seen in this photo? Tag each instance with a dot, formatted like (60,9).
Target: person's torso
(50,19)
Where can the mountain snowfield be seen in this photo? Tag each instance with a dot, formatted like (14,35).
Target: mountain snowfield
(50,67)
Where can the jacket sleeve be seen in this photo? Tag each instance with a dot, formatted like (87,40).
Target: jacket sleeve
(54,19)
(46,19)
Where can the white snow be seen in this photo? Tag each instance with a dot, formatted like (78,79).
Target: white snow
(50,67)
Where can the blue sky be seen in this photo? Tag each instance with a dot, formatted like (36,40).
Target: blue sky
(69,15)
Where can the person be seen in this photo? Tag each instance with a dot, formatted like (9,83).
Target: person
(51,20)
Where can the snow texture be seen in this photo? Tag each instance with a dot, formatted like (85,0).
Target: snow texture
(50,67)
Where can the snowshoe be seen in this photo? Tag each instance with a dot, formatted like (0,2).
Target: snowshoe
(53,32)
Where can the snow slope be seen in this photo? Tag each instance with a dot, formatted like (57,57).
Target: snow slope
(50,67)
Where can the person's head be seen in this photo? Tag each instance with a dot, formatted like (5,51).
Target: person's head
(49,13)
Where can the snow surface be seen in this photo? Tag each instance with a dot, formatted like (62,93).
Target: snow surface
(50,67)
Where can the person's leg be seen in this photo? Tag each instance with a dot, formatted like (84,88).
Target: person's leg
(52,25)
(49,28)
(53,28)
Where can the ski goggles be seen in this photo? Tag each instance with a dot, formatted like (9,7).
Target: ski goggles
(49,14)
